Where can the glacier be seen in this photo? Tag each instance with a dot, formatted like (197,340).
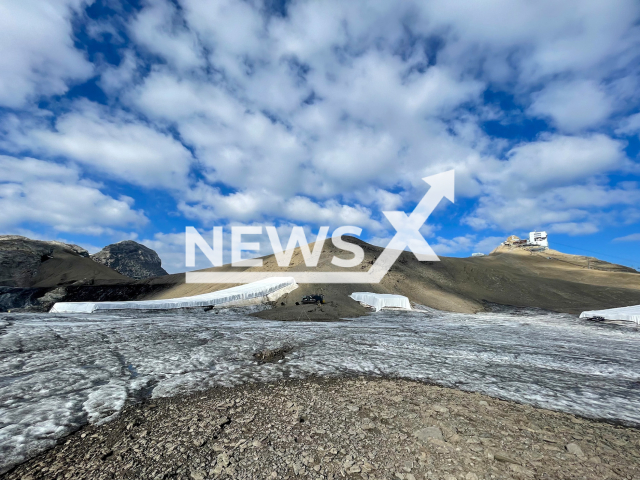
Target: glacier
(59,372)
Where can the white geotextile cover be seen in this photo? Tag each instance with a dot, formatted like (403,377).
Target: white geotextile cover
(630,314)
(228,296)
(381,300)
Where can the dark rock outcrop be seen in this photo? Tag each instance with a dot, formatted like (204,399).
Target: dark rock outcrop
(42,299)
(14,297)
(35,274)
(131,259)
(30,263)
(21,258)
(272,355)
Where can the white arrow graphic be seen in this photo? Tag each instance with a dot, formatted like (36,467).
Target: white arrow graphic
(407,235)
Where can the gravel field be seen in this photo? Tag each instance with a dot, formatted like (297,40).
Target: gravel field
(341,428)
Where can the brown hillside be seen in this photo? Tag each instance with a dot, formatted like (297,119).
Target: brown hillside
(66,269)
(34,263)
(551,280)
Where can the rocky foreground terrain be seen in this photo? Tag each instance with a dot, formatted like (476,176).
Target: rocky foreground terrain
(341,428)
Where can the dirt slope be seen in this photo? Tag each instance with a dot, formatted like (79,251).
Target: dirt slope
(553,281)
(67,269)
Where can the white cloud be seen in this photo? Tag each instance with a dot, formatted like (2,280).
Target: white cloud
(379,119)
(634,237)
(594,196)
(304,210)
(169,98)
(558,182)
(384,200)
(245,150)
(533,40)
(630,125)
(337,111)
(113,143)
(445,246)
(381,115)
(573,210)
(170,247)
(573,228)
(51,194)
(210,206)
(161,30)
(559,160)
(37,54)
(573,106)
(488,244)
(16,170)
(115,78)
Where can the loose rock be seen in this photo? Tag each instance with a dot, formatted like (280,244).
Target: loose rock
(574,449)
(425,434)
(205,436)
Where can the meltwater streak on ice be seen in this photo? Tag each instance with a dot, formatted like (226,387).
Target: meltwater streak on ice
(59,371)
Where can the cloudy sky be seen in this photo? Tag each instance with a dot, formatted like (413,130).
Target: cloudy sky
(135,119)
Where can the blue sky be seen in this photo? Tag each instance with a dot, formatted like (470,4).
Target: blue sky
(136,119)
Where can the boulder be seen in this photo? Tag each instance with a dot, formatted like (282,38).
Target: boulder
(272,355)
(131,259)
(574,449)
(425,434)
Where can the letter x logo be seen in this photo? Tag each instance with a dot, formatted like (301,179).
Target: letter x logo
(408,226)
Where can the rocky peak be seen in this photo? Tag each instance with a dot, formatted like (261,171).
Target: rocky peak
(131,259)
(21,257)
(18,242)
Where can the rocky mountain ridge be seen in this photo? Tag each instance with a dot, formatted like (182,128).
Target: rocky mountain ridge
(549,280)
(22,257)
(35,274)
(131,259)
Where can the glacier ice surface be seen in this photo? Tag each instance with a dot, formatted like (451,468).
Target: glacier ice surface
(61,371)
